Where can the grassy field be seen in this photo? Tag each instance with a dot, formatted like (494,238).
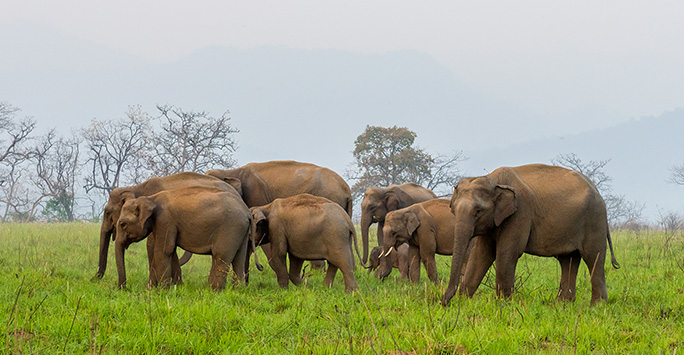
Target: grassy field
(49,305)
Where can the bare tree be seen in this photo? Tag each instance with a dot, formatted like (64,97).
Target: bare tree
(116,150)
(14,137)
(677,174)
(444,172)
(621,212)
(593,169)
(14,189)
(192,141)
(56,162)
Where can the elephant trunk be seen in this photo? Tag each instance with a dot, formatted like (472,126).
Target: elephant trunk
(105,235)
(366,221)
(120,252)
(462,237)
(185,258)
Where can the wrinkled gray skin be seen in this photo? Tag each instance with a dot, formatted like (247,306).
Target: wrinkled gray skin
(427,227)
(378,201)
(398,258)
(307,227)
(200,220)
(261,183)
(536,209)
(152,186)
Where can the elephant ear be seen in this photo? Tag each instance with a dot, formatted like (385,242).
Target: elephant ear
(125,196)
(145,209)
(505,204)
(260,226)
(412,222)
(397,198)
(235,183)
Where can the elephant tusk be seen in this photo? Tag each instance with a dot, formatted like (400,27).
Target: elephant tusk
(389,251)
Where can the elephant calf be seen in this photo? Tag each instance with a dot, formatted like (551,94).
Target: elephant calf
(427,227)
(307,227)
(198,219)
(399,260)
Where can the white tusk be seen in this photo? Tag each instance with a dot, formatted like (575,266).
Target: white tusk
(389,251)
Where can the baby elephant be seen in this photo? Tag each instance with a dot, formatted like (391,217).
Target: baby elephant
(201,220)
(307,227)
(427,227)
(399,260)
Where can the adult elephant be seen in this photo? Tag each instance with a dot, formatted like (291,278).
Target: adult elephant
(378,201)
(262,183)
(152,186)
(199,219)
(536,209)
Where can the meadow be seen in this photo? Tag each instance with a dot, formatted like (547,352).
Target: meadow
(49,305)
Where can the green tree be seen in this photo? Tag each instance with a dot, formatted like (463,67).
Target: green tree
(387,156)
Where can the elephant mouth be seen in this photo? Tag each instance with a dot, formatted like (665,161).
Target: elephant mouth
(377,219)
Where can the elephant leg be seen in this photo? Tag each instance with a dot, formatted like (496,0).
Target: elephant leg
(595,262)
(268,251)
(278,265)
(349,280)
(482,255)
(330,275)
(430,266)
(161,267)
(569,266)
(506,261)
(296,269)
(414,264)
(218,272)
(176,276)
(240,262)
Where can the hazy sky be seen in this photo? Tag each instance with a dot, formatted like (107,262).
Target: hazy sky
(549,56)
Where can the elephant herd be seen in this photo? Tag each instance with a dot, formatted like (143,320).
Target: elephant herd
(298,211)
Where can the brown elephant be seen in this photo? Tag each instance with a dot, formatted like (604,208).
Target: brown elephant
(152,186)
(536,209)
(307,227)
(398,259)
(261,183)
(427,227)
(378,201)
(198,219)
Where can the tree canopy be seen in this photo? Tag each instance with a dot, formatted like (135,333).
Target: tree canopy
(388,155)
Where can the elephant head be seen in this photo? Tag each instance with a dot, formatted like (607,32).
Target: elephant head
(108,226)
(134,224)
(398,229)
(479,205)
(377,202)
(259,228)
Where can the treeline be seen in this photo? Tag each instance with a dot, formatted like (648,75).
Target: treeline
(51,176)
(55,177)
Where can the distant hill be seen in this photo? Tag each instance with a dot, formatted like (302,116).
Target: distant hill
(310,105)
(641,152)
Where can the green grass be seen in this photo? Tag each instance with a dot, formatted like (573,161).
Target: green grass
(48,305)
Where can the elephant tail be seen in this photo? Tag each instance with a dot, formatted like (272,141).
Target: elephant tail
(352,234)
(350,204)
(613,261)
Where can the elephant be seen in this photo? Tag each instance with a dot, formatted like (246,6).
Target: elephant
(307,227)
(377,201)
(152,186)
(198,219)
(427,227)
(537,209)
(261,183)
(399,259)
